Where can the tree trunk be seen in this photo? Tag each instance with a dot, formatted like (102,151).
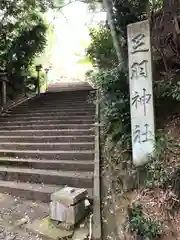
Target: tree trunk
(108,7)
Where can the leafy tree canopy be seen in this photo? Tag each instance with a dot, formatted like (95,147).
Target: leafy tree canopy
(110,78)
(101,51)
(22,35)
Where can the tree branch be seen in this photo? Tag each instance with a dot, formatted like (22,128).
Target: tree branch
(108,6)
(73,1)
(65,5)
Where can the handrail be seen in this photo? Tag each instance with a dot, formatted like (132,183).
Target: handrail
(15,102)
(97,227)
(8,102)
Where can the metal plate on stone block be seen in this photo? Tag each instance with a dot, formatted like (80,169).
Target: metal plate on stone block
(69,196)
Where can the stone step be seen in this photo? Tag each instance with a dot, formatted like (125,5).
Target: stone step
(60,105)
(12,118)
(52,114)
(63,165)
(61,102)
(54,177)
(9,122)
(45,132)
(51,155)
(47,98)
(32,191)
(47,127)
(47,142)
(47,139)
(86,98)
(74,91)
(62,99)
(51,109)
(47,146)
(66,95)
(64,105)
(47,110)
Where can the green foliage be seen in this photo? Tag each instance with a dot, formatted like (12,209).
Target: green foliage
(83,61)
(142,227)
(110,79)
(22,37)
(126,12)
(16,6)
(169,86)
(158,172)
(26,47)
(101,51)
(114,99)
(156,5)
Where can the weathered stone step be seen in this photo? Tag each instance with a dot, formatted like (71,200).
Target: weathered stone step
(70,100)
(52,114)
(47,139)
(65,165)
(52,109)
(47,110)
(47,97)
(70,178)
(6,118)
(47,146)
(51,155)
(60,100)
(61,103)
(9,122)
(49,127)
(64,95)
(74,91)
(57,105)
(59,132)
(32,191)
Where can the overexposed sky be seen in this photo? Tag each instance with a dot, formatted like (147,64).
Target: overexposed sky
(70,30)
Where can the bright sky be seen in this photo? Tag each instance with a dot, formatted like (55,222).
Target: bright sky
(70,30)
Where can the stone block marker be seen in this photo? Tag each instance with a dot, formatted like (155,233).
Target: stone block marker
(141,92)
(68,205)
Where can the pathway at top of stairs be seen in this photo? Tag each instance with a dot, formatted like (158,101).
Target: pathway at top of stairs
(47,142)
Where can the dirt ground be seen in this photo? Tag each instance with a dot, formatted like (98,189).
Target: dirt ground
(109,228)
(114,211)
(14,213)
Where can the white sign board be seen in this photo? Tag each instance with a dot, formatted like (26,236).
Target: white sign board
(141,92)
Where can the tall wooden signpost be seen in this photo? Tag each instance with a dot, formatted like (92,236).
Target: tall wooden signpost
(141,93)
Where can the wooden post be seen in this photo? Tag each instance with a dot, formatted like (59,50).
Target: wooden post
(38,69)
(141,92)
(4,93)
(39,90)
(3,80)
(46,71)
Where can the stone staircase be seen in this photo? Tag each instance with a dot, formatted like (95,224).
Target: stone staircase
(47,142)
